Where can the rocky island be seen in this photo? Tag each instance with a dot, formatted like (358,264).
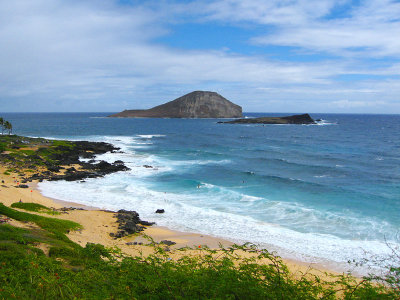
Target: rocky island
(197,104)
(295,119)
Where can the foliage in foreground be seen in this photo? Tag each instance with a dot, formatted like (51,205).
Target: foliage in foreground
(69,271)
(83,274)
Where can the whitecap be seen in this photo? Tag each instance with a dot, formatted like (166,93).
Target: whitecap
(118,191)
(150,136)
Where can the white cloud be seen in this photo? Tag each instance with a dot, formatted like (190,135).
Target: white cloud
(355,104)
(369,29)
(91,55)
(52,49)
(275,12)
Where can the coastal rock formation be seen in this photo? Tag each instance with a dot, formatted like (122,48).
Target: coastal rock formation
(295,119)
(129,223)
(198,104)
(52,160)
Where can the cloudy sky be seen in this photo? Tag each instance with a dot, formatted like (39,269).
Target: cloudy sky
(267,56)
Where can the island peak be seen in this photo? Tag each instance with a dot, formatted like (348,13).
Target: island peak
(197,104)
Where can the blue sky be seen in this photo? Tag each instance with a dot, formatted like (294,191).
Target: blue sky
(267,56)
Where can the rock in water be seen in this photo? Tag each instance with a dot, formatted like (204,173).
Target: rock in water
(295,119)
(198,104)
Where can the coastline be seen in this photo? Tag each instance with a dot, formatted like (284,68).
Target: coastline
(98,224)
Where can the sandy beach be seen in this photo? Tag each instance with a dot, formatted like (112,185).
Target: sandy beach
(98,224)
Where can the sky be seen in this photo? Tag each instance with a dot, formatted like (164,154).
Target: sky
(265,55)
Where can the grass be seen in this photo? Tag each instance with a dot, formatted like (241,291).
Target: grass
(32,275)
(34,207)
(70,271)
(57,143)
(3,146)
(50,224)
(20,158)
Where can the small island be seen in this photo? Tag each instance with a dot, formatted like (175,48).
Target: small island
(197,104)
(295,119)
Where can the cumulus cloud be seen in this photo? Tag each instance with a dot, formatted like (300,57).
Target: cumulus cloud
(367,28)
(105,56)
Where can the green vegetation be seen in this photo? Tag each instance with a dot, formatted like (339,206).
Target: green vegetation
(3,146)
(69,271)
(57,143)
(49,224)
(34,207)
(31,153)
(5,125)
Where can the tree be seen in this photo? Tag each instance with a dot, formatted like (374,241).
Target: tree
(7,125)
(2,125)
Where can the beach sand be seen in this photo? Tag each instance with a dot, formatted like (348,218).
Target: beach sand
(98,224)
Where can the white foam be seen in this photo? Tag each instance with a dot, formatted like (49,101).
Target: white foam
(247,198)
(324,123)
(118,191)
(150,136)
(207,185)
(195,212)
(201,162)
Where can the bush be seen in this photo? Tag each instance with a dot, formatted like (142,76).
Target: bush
(95,272)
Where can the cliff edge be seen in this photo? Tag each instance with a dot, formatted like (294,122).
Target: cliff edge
(197,104)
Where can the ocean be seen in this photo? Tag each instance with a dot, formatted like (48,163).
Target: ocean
(326,193)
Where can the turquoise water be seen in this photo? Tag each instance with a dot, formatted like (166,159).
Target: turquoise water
(327,192)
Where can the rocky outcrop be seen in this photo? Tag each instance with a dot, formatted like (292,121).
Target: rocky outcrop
(295,119)
(72,156)
(198,104)
(129,223)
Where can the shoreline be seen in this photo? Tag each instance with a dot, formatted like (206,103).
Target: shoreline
(98,224)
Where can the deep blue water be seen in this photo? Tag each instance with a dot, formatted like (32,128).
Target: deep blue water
(328,191)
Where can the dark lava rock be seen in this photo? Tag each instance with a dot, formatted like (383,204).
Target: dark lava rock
(131,243)
(147,166)
(168,243)
(160,211)
(146,223)
(71,156)
(23,186)
(129,223)
(53,168)
(295,119)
